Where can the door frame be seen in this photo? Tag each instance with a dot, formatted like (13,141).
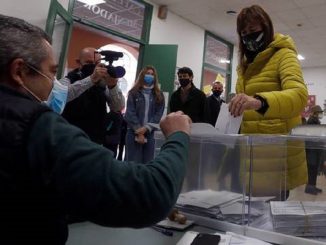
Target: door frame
(55,10)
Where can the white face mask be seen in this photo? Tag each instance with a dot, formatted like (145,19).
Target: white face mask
(320,116)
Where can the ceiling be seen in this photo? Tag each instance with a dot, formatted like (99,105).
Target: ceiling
(303,20)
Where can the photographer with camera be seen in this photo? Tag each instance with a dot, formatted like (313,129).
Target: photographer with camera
(88,111)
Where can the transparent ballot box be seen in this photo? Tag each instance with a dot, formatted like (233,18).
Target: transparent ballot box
(256,185)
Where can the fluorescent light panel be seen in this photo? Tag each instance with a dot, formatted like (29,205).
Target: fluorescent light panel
(300,57)
(92,2)
(223,61)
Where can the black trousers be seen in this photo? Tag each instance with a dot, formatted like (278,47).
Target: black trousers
(314,157)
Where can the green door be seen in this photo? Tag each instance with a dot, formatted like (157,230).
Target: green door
(164,59)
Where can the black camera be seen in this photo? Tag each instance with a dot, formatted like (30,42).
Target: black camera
(111,56)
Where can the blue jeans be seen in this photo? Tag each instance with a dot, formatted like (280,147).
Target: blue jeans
(140,153)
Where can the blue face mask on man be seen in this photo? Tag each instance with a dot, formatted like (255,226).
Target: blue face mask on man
(58,96)
(149,79)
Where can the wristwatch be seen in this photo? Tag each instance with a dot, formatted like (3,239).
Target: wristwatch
(264,104)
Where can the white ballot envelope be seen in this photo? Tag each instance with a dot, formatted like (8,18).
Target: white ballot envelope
(226,123)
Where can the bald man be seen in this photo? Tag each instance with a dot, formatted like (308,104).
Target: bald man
(88,111)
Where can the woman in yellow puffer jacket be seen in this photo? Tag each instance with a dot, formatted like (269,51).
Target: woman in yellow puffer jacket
(271,94)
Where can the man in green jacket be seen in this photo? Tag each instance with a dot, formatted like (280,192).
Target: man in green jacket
(50,169)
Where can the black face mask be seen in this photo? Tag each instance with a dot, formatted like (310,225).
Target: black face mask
(87,69)
(217,93)
(184,82)
(254,42)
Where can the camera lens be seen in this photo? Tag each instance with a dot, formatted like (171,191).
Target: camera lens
(116,72)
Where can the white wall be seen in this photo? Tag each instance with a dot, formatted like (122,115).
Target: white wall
(190,40)
(33,11)
(315,79)
(173,30)
(188,37)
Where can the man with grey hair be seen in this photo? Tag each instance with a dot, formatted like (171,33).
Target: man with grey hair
(50,169)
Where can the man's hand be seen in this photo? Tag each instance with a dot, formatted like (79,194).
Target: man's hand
(100,73)
(141,130)
(140,139)
(174,122)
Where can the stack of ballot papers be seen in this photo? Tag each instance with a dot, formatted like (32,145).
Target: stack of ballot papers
(222,205)
(299,218)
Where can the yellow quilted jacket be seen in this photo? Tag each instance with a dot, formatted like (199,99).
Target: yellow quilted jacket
(275,75)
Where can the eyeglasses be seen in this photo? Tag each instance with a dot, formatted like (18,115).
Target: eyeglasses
(39,72)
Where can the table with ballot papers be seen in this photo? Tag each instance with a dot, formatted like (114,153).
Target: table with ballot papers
(219,204)
(223,185)
(296,218)
(222,205)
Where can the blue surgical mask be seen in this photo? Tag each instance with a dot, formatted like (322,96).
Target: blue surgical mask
(58,95)
(148,79)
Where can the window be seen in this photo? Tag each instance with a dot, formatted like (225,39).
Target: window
(126,17)
(217,63)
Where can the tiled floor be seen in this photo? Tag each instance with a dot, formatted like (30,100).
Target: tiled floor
(298,194)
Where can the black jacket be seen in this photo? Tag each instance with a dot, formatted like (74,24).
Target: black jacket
(194,105)
(212,109)
(88,111)
(28,214)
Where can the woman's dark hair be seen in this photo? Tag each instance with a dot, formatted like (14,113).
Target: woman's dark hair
(140,83)
(248,15)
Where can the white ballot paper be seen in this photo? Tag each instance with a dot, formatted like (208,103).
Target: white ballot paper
(226,123)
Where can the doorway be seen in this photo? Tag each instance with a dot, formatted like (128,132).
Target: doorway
(83,36)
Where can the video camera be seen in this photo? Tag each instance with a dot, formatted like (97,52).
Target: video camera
(110,57)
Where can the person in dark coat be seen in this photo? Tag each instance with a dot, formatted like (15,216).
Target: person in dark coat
(188,99)
(89,110)
(113,131)
(314,155)
(214,102)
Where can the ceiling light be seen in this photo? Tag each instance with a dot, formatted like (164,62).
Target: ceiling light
(92,2)
(300,57)
(223,61)
(231,12)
